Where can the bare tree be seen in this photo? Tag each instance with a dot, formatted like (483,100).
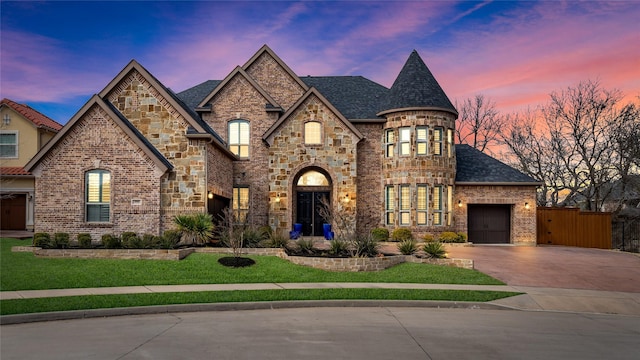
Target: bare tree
(479,123)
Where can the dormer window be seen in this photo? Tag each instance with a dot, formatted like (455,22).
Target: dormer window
(313,133)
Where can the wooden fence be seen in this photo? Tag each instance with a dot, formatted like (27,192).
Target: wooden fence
(572,227)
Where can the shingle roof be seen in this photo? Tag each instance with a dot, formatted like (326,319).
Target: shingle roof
(415,86)
(355,97)
(193,96)
(13,171)
(474,166)
(37,118)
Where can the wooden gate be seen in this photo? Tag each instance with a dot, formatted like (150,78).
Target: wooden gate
(572,227)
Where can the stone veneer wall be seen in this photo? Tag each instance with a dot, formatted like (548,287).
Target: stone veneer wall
(289,156)
(96,142)
(432,170)
(369,181)
(523,221)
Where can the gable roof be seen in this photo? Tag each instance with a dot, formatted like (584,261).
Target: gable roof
(267,137)
(193,96)
(357,97)
(159,160)
(238,71)
(474,167)
(267,49)
(36,117)
(417,88)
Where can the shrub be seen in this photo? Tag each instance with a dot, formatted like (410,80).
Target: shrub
(60,240)
(265,232)
(197,228)
(110,241)
(252,237)
(450,237)
(306,246)
(277,241)
(150,241)
(170,239)
(462,236)
(380,234)
(408,247)
(84,240)
(131,240)
(339,247)
(42,240)
(434,249)
(401,234)
(428,238)
(366,246)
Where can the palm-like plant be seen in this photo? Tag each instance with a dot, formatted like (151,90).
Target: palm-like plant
(197,228)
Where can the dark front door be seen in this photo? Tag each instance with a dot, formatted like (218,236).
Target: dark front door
(13,212)
(489,224)
(308,215)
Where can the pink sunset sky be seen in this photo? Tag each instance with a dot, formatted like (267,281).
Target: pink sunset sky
(55,55)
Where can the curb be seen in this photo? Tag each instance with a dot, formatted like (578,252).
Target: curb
(274,305)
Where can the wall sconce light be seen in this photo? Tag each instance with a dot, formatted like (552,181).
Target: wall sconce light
(346,198)
(278,198)
(527,206)
(210,195)
(459,203)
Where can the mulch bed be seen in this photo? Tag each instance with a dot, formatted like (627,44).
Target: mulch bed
(237,262)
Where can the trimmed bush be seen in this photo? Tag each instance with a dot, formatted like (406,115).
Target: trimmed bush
(428,238)
(450,237)
(380,234)
(84,240)
(170,239)
(401,234)
(150,241)
(110,241)
(434,249)
(408,247)
(462,236)
(60,240)
(42,240)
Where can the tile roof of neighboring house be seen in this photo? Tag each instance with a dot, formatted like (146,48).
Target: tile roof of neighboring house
(416,87)
(356,97)
(33,115)
(13,171)
(476,167)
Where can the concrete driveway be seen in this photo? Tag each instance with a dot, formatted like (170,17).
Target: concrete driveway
(556,266)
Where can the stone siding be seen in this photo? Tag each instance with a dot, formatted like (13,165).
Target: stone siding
(523,221)
(146,254)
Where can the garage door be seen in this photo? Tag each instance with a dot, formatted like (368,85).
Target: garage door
(13,211)
(489,224)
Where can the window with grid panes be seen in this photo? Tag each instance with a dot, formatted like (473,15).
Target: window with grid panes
(9,144)
(437,141)
(405,205)
(437,205)
(390,206)
(97,195)
(422,139)
(389,143)
(449,205)
(405,141)
(239,138)
(422,206)
(449,142)
(312,133)
(240,203)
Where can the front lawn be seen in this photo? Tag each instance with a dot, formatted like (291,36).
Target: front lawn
(24,271)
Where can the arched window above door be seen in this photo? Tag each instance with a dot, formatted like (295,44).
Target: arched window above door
(313,178)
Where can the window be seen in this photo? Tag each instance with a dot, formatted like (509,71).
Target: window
(449,142)
(422,138)
(9,144)
(405,205)
(239,138)
(422,206)
(312,133)
(313,178)
(389,143)
(449,204)
(405,141)
(240,203)
(437,141)
(390,207)
(97,195)
(437,205)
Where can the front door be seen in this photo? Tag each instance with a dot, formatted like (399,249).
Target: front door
(14,212)
(308,214)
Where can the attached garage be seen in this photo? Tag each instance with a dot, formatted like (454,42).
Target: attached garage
(489,224)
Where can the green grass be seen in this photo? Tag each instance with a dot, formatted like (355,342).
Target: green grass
(23,306)
(24,271)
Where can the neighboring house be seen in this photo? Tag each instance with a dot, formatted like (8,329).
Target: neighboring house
(271,145)
(23,131)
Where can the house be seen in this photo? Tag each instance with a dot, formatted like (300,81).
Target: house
(23,132)
(272,145)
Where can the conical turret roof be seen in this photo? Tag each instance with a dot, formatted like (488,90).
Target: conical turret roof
(416,87)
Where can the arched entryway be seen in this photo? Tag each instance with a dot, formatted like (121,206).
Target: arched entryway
(311,186)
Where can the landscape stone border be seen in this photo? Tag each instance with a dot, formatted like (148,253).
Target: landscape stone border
(323,263)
